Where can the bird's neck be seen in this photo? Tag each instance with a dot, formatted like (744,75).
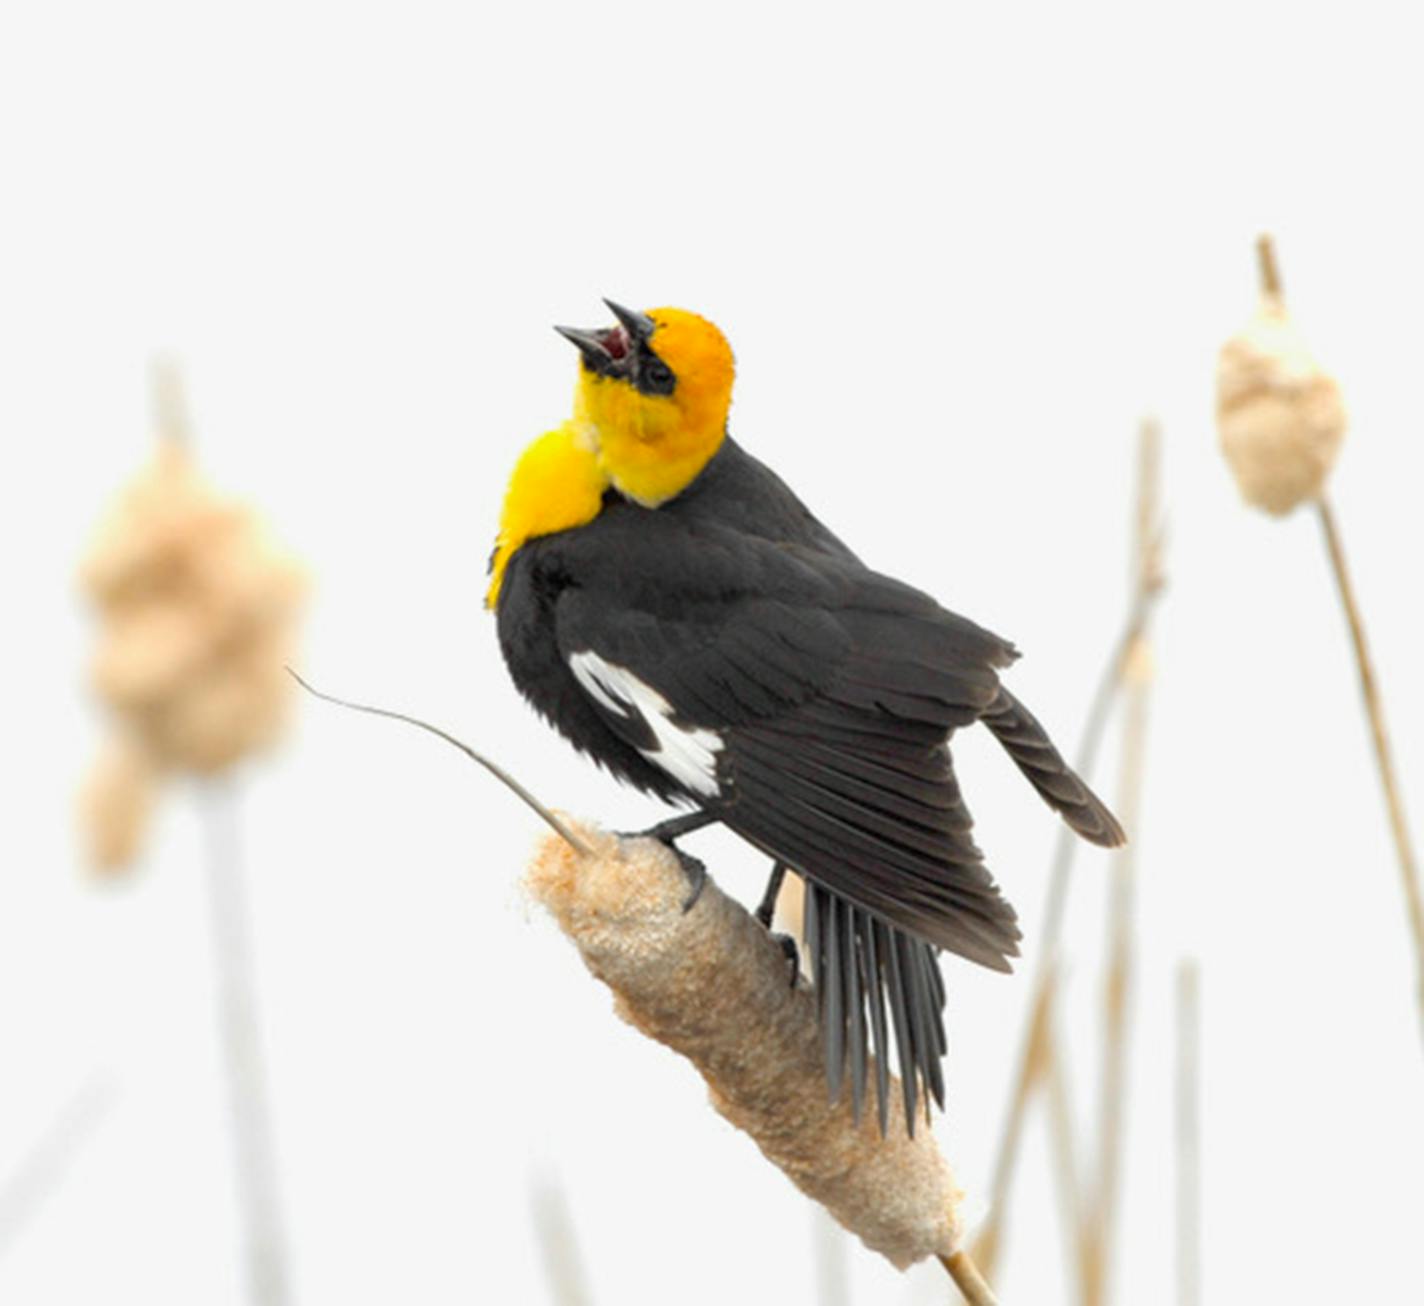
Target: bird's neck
(557,485)
(650,447)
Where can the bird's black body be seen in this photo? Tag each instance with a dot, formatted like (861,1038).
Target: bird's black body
(634,566)
(727,650)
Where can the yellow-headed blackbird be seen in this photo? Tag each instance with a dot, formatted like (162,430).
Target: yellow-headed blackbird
(680,616)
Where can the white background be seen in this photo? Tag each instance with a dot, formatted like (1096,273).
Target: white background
(958,250)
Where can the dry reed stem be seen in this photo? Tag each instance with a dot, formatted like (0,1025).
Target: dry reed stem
(249,1101)
(1036,1052)
(557,1237)
(1113,1082)
(1374,712)
(972,1287)
(1188,1134)
(1063,1152)
(1270,270)
(1035,1057)
(711,984)
(830,1270)
(48,1161)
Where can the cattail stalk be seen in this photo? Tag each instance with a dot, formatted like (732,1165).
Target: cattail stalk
(1063,1153)
(1112,1113)
(1379,734)
(971,1284)
(41,1170)
(1188,1134)
(829,1268)
(249,1106)
(558,1245)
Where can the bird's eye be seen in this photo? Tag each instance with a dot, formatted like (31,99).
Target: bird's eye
(657,376)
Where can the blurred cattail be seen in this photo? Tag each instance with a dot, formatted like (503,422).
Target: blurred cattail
(197,614)
(117,801)
(1279,413)
(1281,425)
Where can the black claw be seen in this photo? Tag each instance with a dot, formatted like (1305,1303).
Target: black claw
(793,955)
(696,872)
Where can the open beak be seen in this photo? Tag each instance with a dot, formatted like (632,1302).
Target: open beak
(595,346)
(639,326)
(609,352)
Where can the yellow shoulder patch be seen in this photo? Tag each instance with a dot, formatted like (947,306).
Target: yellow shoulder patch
(557,485)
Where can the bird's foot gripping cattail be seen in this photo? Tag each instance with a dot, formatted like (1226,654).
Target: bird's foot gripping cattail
(711,985)
(667,833)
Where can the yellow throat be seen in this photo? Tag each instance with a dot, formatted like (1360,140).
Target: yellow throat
(653,446)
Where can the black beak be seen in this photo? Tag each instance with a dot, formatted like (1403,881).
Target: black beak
(639,326)
(610,352)
(596,354)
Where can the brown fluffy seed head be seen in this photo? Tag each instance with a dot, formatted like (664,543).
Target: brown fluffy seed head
(197,616)
(711,984)
(1279,414)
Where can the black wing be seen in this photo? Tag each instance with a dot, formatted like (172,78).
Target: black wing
(831,691)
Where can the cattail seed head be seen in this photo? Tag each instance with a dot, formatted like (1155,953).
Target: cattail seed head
(710,984)
(1279,414)
(197,612)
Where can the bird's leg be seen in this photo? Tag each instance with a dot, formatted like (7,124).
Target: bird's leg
(773,891)
(665,832)
(764,911)
(677,826)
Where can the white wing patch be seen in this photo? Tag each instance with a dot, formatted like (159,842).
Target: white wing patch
(687,753)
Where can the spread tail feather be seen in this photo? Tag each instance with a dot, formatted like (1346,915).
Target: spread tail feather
(860,967)
(1016,728)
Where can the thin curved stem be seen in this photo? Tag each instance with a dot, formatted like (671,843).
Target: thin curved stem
(499,773)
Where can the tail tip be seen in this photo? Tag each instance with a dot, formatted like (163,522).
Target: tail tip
(1103,828)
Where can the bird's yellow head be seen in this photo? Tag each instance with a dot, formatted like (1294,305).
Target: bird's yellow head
(649,412)
(652,398)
